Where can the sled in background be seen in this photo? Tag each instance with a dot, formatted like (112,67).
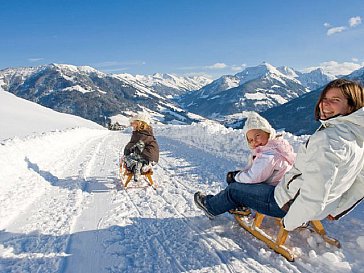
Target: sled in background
(126,176)
(254,227)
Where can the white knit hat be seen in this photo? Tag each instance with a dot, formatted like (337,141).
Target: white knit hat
(256,121)
(142,116)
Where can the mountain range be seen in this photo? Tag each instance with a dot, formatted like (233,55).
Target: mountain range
(256,88)
(276,92)
(301,110)
(94,95)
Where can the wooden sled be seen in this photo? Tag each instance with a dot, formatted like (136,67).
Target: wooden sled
(127,175)
(277,244)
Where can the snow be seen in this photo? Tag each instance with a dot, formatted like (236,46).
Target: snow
(77,88)
(278,98)
(146,83)
(142,89)
(15,119)
(63,208)
(78,69)
(121,119)
(255,96)
(172,81)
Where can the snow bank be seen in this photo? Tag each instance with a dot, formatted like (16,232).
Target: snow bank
(19,117)
(218,140)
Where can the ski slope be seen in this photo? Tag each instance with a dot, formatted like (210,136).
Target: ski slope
(64,210)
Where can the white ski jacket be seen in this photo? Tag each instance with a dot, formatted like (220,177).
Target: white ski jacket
(328,176)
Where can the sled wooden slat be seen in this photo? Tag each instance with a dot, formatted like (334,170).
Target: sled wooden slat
(129,175)
(148,175)
(319,228)
(278,244)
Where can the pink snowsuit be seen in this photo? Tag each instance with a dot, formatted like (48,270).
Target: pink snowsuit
(270,162)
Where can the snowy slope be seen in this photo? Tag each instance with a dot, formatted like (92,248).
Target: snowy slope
(63,209)
(20,117)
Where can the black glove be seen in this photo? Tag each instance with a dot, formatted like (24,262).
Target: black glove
(230,177)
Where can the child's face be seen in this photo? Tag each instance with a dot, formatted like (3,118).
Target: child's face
(134,124)
(257,137)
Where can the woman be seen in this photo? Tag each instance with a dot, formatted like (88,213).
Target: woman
(327,178)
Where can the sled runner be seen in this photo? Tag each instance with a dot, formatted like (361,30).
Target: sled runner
(277,244)
(126,176)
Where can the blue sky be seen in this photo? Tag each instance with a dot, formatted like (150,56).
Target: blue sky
(186,37)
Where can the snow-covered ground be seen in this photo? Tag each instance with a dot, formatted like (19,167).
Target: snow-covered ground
(19,117)
(63,208)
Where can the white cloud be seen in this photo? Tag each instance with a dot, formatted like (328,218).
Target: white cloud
(190,67)
(213,71)
(116,63)
(217,66)
(115,70)
(335,68)
(238,67)
(354,21)
(335,30)
(202,74)
(33,60)
(355,60)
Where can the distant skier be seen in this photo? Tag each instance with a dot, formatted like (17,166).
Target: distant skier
(142,151)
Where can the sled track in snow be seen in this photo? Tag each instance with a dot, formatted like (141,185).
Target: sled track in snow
(212,240)
(87,166)
(155,239)
(197,230)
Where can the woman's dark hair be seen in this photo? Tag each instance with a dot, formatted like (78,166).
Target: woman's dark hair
(351,90)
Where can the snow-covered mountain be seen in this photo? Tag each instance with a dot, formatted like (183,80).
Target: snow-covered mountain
(301,110)
(315,79)
(221,84)
(89,93)
(256,88)
(311,80)
(357,75)
(94,95)
(167,85)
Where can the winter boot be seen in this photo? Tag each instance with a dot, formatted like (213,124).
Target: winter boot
(146,168)
(137,173)
(200,199)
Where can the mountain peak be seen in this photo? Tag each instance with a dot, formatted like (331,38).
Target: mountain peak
(288,71)
(76,69)
(262,70)
(268,66)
